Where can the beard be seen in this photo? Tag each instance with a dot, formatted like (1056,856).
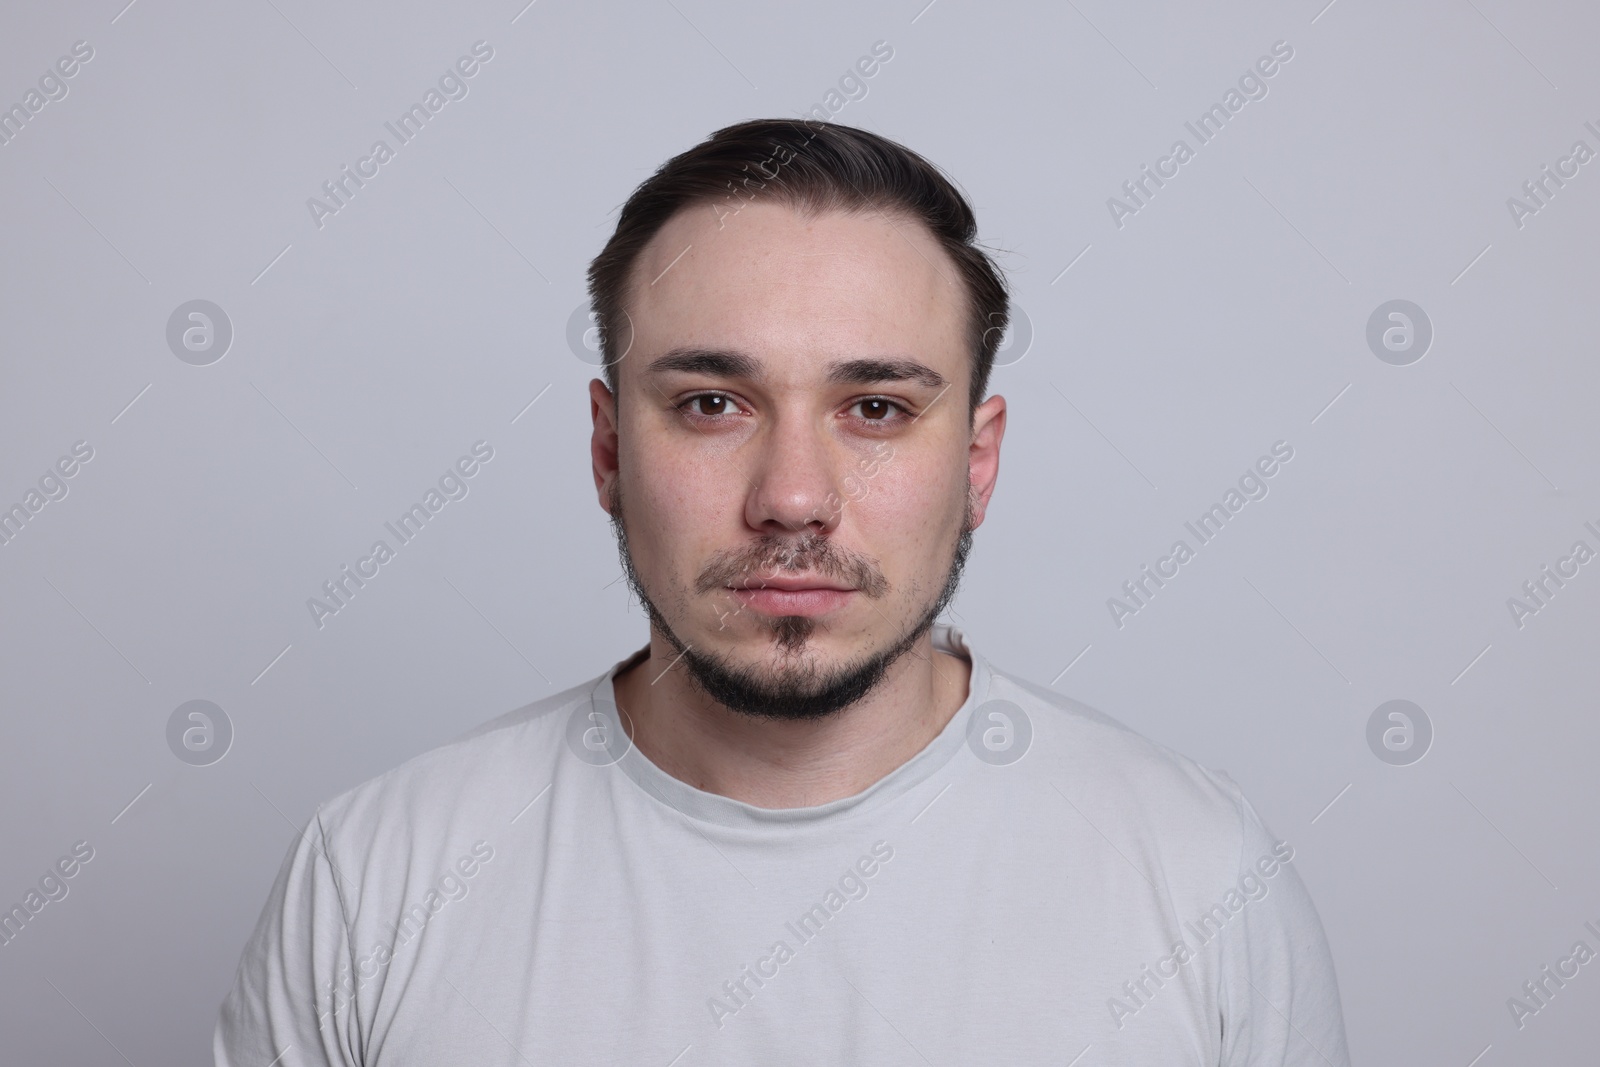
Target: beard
(798,688)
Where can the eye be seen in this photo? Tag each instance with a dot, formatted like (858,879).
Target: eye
(708,406)
(877,408)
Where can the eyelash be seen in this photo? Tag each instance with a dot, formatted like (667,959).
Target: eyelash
(682,407)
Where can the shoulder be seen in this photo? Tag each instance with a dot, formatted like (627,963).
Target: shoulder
(1146,789)
(460,788)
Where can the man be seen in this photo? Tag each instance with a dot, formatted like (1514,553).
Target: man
(806,823)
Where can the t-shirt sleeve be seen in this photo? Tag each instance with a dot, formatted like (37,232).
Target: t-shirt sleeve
(291,989)
(1279,993)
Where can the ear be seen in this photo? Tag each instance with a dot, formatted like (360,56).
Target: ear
(603,443)
(983,455)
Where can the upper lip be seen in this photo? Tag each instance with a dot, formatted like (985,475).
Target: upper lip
(792,584)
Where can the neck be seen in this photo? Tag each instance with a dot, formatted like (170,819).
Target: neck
(780,763)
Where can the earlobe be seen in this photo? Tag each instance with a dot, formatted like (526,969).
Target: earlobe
(983,456)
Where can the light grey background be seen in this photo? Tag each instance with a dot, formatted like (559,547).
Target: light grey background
(1227,314)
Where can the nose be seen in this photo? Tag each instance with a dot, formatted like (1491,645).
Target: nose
(794,486)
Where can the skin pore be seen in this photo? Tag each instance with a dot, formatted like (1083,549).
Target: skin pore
(793,411)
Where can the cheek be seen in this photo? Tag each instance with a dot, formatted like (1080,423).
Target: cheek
(910,515)
(673,511)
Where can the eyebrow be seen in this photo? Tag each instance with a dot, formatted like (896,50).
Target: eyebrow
(729,363)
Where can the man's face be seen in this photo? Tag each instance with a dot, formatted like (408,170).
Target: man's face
(793,450)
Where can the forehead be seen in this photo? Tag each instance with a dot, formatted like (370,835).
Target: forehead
(791,288)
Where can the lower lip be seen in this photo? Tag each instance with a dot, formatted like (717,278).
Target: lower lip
(793,601)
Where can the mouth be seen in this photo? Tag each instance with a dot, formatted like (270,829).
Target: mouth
(792,596)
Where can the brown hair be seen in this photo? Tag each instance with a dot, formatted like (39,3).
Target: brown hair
(814,166)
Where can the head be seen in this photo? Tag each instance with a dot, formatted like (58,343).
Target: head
(792,438)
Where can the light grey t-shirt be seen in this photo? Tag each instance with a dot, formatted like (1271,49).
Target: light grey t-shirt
(1039,885)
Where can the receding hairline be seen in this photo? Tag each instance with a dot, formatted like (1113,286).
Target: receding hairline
(809,207)
(812,167)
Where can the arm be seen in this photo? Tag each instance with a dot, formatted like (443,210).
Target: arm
(293,987)
(1279,994)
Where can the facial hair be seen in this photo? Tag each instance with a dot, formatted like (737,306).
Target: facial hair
(798,690)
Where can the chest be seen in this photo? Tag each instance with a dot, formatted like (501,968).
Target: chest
(898,943)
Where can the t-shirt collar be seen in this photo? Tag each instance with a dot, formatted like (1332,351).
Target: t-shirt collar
(713,807)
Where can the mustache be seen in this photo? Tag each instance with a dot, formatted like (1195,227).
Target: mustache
(772,556)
